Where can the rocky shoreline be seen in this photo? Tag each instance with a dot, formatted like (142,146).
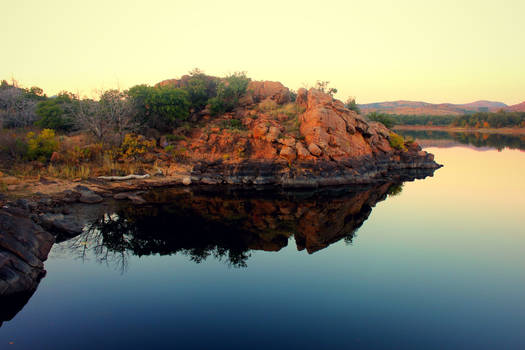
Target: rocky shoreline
(30,226)
(313,174)
(319,143)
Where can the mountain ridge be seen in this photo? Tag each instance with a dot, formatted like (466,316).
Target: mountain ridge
(420,107)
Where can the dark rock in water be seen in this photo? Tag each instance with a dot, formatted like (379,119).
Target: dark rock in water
(81,188)
(22,203)
(61,224)
(133,197)
(70,196)
(24,246)
(90,197)
(120,196)
(16,211)
(136,199)
(45,201)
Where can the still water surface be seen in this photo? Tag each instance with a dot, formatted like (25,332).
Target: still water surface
(436,264)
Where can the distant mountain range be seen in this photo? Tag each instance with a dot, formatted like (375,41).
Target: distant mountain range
(419,108)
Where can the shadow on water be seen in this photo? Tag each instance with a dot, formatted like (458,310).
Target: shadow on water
(226,226)
(433,138)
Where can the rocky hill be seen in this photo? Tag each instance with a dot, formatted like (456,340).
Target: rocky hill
(312,141)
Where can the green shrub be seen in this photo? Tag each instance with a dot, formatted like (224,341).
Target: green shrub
(385,119)
(229,91)
(41,147)
(200,88)
(293,95)
(159,107)
(56,113)
(351,104)
(168,105)
(396,141)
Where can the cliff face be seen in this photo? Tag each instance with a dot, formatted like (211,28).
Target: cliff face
(310,142)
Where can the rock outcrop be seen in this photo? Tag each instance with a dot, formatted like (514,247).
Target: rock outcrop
(24,246)
(273,90)
(314,141)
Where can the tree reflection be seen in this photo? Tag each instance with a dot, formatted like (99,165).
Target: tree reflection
(226,226)
(476,139)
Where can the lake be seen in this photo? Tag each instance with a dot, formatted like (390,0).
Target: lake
(436,263)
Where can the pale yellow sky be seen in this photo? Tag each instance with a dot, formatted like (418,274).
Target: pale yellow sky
(441,51)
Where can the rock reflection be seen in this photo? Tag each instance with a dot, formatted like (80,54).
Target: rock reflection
(226,226)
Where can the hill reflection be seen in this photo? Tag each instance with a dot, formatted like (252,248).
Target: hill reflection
(226,226)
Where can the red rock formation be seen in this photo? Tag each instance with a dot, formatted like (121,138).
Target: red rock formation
(312,141)
(273,90)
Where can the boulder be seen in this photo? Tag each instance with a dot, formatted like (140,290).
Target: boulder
(61,224)
(288,141)
(261,90)
(121,196)
(246,100)
(302,97)
(260,130)
(331,127)
(288,153)
(90,197)
(314,149)
(136,199)
(302,152)
(24,246)
(273,134)
(70,196)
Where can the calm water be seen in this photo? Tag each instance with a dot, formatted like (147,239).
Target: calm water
(433,264)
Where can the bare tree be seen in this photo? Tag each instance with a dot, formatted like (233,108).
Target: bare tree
(16,109)
(119,110)
(107,119)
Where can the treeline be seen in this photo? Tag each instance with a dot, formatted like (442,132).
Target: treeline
(497,141)
(500,119)
(113,113)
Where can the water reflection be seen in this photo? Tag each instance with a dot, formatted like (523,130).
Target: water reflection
(433,138)
(226,226)
(11,305)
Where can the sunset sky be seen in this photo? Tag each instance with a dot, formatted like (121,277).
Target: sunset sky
(436,51)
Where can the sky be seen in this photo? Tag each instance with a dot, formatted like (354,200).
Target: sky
(435,51)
